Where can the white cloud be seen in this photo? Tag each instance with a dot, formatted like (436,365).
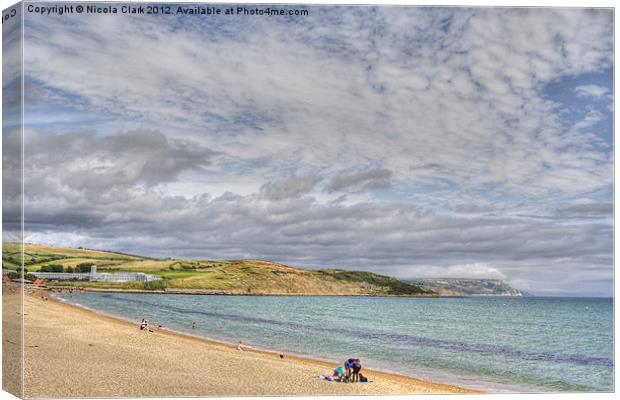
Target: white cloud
(591,91)
(471,271)
(404,112)
(473,90)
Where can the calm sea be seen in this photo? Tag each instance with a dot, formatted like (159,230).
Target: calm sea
(495,344)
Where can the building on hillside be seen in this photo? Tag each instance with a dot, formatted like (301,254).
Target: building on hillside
(95,276)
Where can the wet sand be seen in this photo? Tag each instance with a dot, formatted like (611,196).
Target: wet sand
(73,352)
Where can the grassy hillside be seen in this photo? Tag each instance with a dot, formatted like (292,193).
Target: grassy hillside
(222,276)
(36,255)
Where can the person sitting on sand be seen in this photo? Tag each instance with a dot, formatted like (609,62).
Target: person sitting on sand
(241,346)
(144,325)
(339,372)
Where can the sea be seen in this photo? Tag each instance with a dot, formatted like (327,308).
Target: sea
(494,344)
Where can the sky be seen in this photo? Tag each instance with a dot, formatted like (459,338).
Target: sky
(408,141)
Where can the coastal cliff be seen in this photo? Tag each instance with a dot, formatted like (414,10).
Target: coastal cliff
(466,287)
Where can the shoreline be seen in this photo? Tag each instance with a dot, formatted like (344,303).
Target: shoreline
(204,292)
(208,340)
(303,370)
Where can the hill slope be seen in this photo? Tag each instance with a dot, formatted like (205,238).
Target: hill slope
(218,276)
(466,287)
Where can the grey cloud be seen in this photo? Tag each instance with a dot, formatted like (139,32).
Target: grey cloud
(390,238)
(587,209)
(294,186)
(11,179)
(472,208)
(96,163)
(78,179)
(373,179)
(430,166)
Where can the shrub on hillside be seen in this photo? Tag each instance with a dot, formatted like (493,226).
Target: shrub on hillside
(155,285)
(83,267)
(51,268)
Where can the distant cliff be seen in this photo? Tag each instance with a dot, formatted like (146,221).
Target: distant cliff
(466,287)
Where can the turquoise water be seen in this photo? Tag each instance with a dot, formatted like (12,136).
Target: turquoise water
(495,344)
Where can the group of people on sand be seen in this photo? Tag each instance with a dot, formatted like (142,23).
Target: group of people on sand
(348,372)
(144,325)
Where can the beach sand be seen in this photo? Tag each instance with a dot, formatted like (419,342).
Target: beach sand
(73,352)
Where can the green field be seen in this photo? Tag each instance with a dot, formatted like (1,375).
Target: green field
(223,276)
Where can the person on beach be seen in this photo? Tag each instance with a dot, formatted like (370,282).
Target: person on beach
(339,372)
(144,325)
(347,368)
(241,347)
(356,367)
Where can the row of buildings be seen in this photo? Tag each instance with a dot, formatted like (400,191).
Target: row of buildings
(94,276)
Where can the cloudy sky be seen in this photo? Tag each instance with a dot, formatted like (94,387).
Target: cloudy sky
(415,142)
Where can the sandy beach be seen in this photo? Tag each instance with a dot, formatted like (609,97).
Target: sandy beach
(73,352)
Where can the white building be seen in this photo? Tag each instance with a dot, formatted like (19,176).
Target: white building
(95,276)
